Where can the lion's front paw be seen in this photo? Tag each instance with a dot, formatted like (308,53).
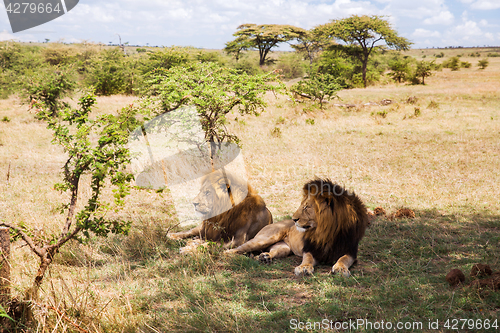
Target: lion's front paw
(265,258)
(305,269)
(342,269)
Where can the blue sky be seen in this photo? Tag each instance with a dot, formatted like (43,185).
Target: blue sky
(211,23)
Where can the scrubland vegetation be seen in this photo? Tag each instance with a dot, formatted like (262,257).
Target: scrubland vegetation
(429,147)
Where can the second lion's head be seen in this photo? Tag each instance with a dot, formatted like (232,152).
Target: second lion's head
(326,210)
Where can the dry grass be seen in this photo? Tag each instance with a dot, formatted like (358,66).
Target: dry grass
(445,161)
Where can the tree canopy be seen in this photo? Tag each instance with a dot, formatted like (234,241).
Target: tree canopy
(262,37)
(310,43)
(361,35)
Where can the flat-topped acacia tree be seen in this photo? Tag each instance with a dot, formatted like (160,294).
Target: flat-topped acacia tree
(361,35)
(262,37)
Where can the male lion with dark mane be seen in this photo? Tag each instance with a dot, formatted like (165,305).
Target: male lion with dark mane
(232,211)
(326,228)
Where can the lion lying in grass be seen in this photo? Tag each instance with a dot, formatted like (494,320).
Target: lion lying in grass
(326,228)
(233,212)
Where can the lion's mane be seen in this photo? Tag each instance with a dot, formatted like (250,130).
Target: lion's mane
(341,219)
(225,225)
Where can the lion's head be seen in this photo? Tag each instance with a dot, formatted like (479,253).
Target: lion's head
(220,191)
(328,210)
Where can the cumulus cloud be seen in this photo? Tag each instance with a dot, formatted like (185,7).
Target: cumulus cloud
(486,4)
(425,33)
(211,23)
(444,17)
(4,35)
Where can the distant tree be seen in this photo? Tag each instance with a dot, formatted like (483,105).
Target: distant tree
(483,63)
(237,46)
(424,69)
(262,37)
(310,44)
(453,63)
(400,69)
(361,34)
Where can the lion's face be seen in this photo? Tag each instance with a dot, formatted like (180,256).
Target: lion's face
(215,197)
(305,216)
(203,203)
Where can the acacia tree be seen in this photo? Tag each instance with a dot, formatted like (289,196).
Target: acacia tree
(214,90)
(237,46)
(310,43)
(423,69)
(262,37)
(361,35)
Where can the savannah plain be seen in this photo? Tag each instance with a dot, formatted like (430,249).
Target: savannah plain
(435,149)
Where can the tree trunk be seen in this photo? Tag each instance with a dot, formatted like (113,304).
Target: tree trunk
(262,60)
(4,267)
(365,64)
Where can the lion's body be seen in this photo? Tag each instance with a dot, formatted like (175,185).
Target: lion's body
(224,220)
(326,228)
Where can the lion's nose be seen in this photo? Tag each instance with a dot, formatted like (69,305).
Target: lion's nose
(295,220)
(195,204)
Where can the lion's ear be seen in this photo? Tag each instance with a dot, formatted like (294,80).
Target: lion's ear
(222,184)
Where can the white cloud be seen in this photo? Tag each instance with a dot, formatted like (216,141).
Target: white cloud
(483,23)
(425,33)
(468,28)
(490,36)
(444,17)
(486,4)
(4,35)
(211,23)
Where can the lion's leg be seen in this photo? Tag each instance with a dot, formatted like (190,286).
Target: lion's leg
(239,238)
(278,250)
(269,235)
(342,265)
(307,265)
(186,234)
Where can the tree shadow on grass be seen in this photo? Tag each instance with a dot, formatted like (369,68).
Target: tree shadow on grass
(399,277)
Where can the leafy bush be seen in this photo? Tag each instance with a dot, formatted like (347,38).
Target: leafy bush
(400,69)
(465,64)
(248,66)
(483,63)
(109,73)
(57,56)
(333,63)
(48,85)
(165,59)
(453,63)
(291,65)
(493,54)
(212,56)
(320,87)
